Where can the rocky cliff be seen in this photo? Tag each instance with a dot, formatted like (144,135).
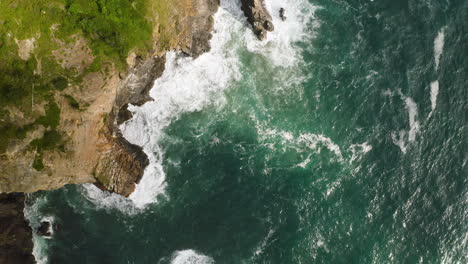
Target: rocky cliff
(122,164)
(63,95)
(65,88)
(64,128)
(15,234)
(68,90)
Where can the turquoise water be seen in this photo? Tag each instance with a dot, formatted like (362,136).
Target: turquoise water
(346,144)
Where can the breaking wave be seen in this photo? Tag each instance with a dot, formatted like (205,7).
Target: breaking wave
(189,85)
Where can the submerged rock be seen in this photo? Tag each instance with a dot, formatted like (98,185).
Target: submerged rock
(47,229)
(258,17)
(281,14)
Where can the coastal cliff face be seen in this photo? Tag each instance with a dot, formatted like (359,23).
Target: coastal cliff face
(66,85)
(61,126)
(122,164)
(15,234)
(69,70)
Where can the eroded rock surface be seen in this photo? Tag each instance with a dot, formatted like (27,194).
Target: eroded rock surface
(89,146)
(47,229)
(15,234)
(121,165)
(258,16)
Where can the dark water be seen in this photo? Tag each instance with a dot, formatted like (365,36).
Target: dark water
(341,159)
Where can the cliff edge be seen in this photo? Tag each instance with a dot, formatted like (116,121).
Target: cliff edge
(67,85)
(65,88)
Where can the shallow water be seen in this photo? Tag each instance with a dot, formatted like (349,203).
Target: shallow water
(339,139)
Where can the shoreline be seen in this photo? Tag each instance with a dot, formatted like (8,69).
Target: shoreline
(121,165)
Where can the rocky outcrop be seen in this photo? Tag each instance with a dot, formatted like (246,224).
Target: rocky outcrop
(91,148)
(46,229)
(15,234)
(121,165)
(282,14)
(258,16)
(201,26)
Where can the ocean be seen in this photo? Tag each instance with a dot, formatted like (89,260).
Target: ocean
(341,138)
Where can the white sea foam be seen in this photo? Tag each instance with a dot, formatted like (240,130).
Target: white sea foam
(279,45)
(190,256)
(332,187)
(439,47)
(189,85)
(264,243)
(107,200)
(305,162)
(317,243)
(358,150)
(312,140)
(403,138)
(31,213)
(399,140)
(434,94)
(303,142)
(50,219)
(40,249)
(412,108)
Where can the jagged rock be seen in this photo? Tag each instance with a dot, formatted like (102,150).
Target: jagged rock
(201,27)
(92,144)
(134,88)
(258,16)
(281,14)
(44,229)
(121,164)
(15,234)
(94,149)
(47,229)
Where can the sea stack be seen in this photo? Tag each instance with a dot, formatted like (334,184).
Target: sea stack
(47,228)
(258,16)
(281,14)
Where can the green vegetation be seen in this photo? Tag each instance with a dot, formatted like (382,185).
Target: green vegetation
(60,83)
(10,131)
(112,29)
(51,119)
(114,26)
(52,116)
(72,101)
(95,66)
(38,164)
(16,79)
(50,140)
